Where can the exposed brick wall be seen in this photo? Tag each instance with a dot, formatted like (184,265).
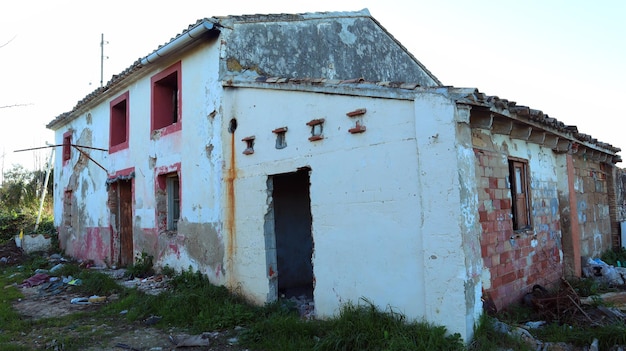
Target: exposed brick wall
(591,186)
(516,260)
(617,201)
(620,194)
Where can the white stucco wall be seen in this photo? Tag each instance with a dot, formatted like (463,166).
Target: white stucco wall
(385,205)
(200,100)
(448,214)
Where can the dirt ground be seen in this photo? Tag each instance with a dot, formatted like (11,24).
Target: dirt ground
(106,334)
(91,332)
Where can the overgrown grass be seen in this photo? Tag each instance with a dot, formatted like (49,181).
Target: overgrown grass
(193,302)
(488,337)
(195,305)
(365,327)
(608,336)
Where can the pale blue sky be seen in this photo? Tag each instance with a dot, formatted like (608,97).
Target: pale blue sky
(565,58)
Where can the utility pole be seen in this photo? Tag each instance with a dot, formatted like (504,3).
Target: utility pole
(102,57)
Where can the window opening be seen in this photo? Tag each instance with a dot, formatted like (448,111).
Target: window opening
(519,194)
(317,129)
(249,145)
(118,135)
(67,147)
(173,202)
(166,106)
(281,141)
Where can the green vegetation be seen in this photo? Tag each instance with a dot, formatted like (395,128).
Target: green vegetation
(143,266)
(192,304)
(20,196)
(612,257)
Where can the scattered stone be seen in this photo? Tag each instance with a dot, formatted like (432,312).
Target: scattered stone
(152,320)
(190,340)
(304,305)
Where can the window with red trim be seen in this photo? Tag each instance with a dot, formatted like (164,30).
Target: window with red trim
(118,134)
(166,99)
(67,147)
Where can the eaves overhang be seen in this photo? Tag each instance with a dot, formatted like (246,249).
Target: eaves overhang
(502,116)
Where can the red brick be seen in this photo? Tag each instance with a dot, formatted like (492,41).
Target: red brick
(505,204)
(493,183)
(496,204)
(483,250)
(495,261)
(505,257)
(487,227)
(500,247)
(496,283)
(508,278)
(482,215)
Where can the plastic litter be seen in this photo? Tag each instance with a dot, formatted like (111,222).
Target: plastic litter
(80,301)
(97,299)
(57,267)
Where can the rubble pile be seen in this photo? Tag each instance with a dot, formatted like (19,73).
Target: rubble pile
(153,285)
(304,305)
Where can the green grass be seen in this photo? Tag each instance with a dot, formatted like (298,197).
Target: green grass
(195,305)
(487,337)
(365,327)
(11,324)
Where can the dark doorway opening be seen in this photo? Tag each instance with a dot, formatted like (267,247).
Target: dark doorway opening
(292,234)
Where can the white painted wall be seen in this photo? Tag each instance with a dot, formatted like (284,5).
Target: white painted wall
(385,205)
(449,211)
(200,190)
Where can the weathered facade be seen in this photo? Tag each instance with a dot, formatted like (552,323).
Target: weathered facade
(282,169)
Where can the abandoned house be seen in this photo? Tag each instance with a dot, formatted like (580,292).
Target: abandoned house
(339,169)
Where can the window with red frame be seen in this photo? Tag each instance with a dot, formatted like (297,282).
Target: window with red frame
(67,146)
(118,134)
(166,102)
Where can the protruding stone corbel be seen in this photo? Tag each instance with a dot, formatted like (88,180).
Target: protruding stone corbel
(502,126)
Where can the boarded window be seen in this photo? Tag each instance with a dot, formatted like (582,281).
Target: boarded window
(519,194)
